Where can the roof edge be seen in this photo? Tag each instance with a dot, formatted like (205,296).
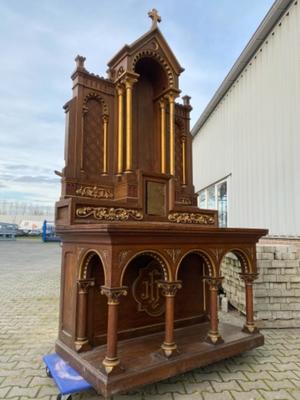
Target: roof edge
(273,15)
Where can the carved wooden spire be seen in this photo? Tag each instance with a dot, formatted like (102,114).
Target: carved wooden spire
(153,14)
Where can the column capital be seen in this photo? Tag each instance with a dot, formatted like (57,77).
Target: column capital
(113,294)
(248,278)
(120,89)
(214,282)
(169,289)
(84,284)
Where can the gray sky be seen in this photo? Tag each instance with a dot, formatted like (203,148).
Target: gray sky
(39,40)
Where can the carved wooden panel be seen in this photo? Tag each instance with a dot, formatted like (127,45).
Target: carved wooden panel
(93,138)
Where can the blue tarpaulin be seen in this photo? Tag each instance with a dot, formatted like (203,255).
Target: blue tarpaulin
(66,378)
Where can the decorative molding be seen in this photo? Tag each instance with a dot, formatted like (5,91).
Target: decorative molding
(96,192)
(185,201)
(173,254)
(109,214)
(191,218)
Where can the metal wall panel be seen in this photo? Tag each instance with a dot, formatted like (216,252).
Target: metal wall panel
(254,135)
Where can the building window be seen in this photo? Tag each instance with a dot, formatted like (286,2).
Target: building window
(215,197)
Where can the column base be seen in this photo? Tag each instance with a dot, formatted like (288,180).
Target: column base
(82,345)
(112,365)
(169,349)
(214,338)
(250,328)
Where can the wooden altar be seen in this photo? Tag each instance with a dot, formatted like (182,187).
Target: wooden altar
(140,261)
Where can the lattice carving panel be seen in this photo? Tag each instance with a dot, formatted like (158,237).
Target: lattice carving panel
(93,138)
(178,153)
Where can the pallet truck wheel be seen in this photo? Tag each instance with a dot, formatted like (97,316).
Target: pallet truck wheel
(48,373)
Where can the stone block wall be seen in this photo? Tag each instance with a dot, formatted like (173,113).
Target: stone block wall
(276,291)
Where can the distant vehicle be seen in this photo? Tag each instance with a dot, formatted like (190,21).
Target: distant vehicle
(31,228)
(49,234)
(8,231)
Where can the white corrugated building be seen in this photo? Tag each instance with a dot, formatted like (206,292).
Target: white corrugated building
(246,146)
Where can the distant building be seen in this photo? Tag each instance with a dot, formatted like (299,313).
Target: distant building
(246,145)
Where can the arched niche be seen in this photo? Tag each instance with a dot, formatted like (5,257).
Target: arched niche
(92,270)
(192,300)
(144,302)
(233,264)
(152,82)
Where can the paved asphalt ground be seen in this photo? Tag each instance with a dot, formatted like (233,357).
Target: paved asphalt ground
(29,292)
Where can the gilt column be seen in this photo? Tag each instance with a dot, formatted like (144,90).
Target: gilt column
(172,133)
(183,157)
(214,336)
(105,145)
(249,326)
(163,135)
(111,360)
(81,341)
(120,92)
(169,290)
(128,85)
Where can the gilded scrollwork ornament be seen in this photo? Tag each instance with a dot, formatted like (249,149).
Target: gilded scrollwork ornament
(95,192)
(191,218)
(109,213)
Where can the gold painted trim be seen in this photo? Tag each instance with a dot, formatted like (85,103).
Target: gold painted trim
(109,213)
(172,134)
(120,91)
(191,218)
(163,135)
(96,192)
(183,149)
(105,145)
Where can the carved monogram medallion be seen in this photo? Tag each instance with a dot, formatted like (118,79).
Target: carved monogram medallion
(146,292)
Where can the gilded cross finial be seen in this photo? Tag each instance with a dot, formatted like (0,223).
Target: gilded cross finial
(153,14)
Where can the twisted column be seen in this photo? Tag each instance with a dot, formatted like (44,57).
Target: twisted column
(128,86)
(105,145)
(169,290)
(249,326)
(214,336)
(111,359)
(171,98)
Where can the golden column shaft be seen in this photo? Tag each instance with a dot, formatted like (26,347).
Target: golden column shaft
(183,149)
(172,134)
(163,135)
(120,92)
(128,85)
(105,145)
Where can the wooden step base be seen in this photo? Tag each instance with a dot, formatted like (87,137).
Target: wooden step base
(142,361)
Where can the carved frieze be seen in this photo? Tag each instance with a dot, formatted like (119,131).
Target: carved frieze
(191,218)
(96,192)
(109,213)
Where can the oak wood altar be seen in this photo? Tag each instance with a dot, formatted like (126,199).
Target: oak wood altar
(140,261)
